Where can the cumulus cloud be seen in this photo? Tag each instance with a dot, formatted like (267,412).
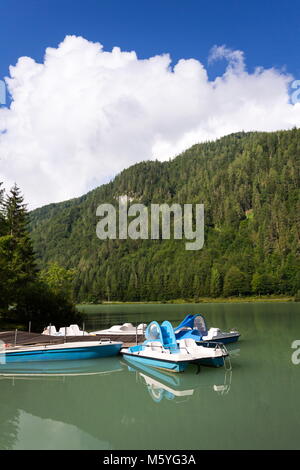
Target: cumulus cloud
(84,114)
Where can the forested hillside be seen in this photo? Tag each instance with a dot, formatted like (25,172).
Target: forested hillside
(249,184)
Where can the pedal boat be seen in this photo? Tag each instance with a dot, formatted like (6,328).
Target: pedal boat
(154,354)
(194,326)
(125,329)
(163,351)
(53,352)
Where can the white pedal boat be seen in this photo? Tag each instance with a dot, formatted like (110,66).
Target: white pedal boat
(125,329)
(154,354)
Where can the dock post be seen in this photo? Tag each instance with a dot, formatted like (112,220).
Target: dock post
(29,327)
(16,333)
(83,325)
(136,338)
(65,333)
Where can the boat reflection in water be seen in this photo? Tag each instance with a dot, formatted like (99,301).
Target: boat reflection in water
(60,368)
(96,404)
(163,385)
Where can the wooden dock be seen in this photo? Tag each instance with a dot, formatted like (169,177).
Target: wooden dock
(24,338)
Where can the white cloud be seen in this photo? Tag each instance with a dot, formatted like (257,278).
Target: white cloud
(84,114)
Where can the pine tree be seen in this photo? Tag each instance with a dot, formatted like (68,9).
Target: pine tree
(15,213)
(215,282)
(3,226)
(17,246)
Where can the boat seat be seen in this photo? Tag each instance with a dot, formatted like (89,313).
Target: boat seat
(66,331)
(115,328)
(187,342)
(127,326)
(214,331)
(154,345)
(76,330)
(50,330)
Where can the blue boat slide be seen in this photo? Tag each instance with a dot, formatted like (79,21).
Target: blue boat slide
(194,327)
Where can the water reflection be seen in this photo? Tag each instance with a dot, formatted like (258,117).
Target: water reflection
(100,404)
(179,387)
(96,401)
(60,368)
(57,391)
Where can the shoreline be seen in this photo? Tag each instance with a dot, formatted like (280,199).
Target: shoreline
(196,301)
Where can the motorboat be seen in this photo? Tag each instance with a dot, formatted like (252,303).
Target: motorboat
(53,352)
(162,350)
(194,327)
(125,329)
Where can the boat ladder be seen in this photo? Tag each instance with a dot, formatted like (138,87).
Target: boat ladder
(222,347)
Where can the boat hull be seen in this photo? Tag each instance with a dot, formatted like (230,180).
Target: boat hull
(211,361)
(224,340)
(170,366)
(56,354)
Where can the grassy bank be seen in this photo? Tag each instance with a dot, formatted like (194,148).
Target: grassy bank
(204,300)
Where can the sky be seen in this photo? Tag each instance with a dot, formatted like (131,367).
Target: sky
(94,86)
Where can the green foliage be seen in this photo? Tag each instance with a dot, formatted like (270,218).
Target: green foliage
(249,184)
(42,306)
(297,296)
(15,213)
(58,279)
(262,284)
(17,260)
(215,282)
(235,282)
(25,295)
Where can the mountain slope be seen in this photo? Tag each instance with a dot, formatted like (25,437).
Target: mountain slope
(249,184)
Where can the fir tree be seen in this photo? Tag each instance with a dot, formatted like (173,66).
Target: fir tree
(21,249)
(15,213)
(3,226)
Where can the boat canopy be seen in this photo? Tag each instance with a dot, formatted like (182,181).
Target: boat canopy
(163,333)
(193,326)
(200,324)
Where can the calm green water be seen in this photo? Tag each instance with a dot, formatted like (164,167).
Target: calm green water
(103,404)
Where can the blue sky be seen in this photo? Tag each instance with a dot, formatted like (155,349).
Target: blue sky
(81,114)
(267,31)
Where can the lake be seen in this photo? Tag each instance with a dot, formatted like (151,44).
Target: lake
(108,404)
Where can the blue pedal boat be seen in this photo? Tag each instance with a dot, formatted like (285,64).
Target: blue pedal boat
(194,327)
(162,350)
(76,350)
